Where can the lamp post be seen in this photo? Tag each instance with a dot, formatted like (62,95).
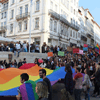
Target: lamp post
(30,24)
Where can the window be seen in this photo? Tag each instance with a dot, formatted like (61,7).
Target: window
(37,5)
(71,20)
(26,8)
(73,34)
(36,23)
(78,35)
(25,25)
(12,14)
(20,26)
(2,16)
(55,8)
(20,10)
(4,5)
(70,33)
(5,15)
(68,4)
(5,23)
(51,24)
(1,24)
(51,5)
(74,2)
(13,2)
(71,10)
(74,11)
(55,26)
(11,28)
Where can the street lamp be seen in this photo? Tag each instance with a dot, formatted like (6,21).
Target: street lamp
(30,24)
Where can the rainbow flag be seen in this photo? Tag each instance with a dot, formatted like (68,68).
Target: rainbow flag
(27,90)
(97,48)
(10,79)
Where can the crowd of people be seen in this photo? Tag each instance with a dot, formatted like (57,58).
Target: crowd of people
(12,64)
(24,47)
(88,64)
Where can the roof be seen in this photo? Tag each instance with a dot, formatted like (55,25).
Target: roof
(95,23)
(3,1)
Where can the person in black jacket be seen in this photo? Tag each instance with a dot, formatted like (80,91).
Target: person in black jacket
(20,63)
(68,80)
(42,74)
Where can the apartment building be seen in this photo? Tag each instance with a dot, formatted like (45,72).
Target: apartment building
(53,21)
(56,22)
(89,29)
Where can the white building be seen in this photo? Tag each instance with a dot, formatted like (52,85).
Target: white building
(89,29)
(53,21)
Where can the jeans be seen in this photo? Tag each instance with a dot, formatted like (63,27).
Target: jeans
(14,53)
(25,50)
(11,49)
(77,93)
(33,50)
(87,95)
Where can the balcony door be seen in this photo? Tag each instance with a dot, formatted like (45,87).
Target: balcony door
(20,11)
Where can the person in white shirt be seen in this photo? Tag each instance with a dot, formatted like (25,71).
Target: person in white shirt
(25,46)
(18,46)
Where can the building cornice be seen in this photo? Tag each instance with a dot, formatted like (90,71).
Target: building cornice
(3,1)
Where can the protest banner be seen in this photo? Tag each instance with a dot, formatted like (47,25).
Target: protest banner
(50,54)
(80,52)
(85,49)
(75,50)
(60,53)
(69,49)
(85,45)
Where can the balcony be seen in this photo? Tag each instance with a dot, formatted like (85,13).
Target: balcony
(3,9)
(62,19)
(54,14)
(22,16)
(3,29)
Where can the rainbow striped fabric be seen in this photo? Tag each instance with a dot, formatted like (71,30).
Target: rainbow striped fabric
(27,91)
(97,47)
(10,78)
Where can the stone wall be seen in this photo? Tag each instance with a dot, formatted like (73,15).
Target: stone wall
(30,57)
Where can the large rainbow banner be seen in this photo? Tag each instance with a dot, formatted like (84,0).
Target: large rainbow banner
(10,78)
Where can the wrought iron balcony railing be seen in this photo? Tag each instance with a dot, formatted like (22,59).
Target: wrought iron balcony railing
(62,19)
(54,14)
(22,16)
(5,8)
(3,28)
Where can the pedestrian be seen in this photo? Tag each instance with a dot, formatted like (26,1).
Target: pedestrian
(27,89)
(87,84)
(42,74)
(78,84)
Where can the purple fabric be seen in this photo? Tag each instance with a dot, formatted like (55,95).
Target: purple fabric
(23,92)
(53,82)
